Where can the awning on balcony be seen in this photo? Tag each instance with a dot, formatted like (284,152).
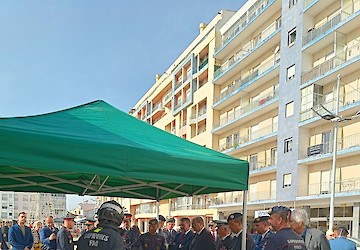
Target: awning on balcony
(96,149)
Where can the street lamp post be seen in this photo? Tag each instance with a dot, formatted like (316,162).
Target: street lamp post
(334,154)
(336,118)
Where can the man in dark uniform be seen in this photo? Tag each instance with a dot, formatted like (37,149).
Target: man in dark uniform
(203,239)
(261,227)
(150,240)
(161,225)
(170,232)
(223,231)
(106,235)
(64,239)
(285,237)
(236,226)
(128,232)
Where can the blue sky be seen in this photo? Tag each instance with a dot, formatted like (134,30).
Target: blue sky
(59,54)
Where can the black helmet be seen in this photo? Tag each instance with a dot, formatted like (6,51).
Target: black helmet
(111,211)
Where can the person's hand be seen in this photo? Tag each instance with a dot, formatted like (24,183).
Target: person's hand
(52,236)
(26,248)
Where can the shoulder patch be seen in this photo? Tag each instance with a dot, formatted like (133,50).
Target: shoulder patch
(98,229)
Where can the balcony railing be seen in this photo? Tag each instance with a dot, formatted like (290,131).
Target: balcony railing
(250,137)
(248,48)
(167,96)
(203,64)
(178,84)
(330,64)
(248,108)
(156,107)
(343,14)
(176,207)
(325,148)
(259,164)
(346,185)
(229,198)
(344,100)
(250,15)
(315,33)
(199,116)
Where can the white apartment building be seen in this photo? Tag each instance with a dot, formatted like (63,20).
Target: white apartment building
(36,205)
(254,84)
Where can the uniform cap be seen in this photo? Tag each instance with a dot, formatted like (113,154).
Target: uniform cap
(127,216)
(261,218)
(172,220)
(69,216)
(161,218)
(221,222)
(153,222)
(234,216)
(279,209)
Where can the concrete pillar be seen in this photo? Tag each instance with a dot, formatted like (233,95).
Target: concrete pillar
(356,216)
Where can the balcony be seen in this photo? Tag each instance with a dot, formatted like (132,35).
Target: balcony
(181,105)
(346,100)
(178,84)
(198,117)
(176,207)
(263,74)
(167,97)
(323,29)
(345,21)
(246,25)
(158,107)
(259,135)
(203,64)
(264,100)
(253,47)
(229,199)
(347,186)
(263,163)
(346,145)
(145,209)
(333,65)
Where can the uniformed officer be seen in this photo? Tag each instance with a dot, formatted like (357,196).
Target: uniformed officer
(170,232)
(161,225)
(236,226)
(64,239)
(261,227)
(285,237)
(128,232)
(150,240)
(106,235)
(223,231)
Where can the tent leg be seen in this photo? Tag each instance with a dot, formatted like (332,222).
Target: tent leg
(244,229)
(157,204)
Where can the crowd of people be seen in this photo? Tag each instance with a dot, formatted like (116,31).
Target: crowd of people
(282,228)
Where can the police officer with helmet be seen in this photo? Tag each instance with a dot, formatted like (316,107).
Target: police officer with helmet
(106,235)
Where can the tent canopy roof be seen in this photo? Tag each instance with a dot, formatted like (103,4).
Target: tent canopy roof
(96,149)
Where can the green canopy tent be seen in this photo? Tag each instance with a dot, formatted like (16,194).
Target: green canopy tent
(96,149)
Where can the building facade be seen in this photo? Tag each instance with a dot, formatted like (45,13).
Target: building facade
(36,205)
(255,84)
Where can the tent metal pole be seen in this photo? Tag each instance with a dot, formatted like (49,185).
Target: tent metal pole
(244,221)
(157,204)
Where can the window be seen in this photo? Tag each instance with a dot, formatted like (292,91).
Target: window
(290,73)
(286,180)
(289,111)
(291,37)
(292,3)
(288,143)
